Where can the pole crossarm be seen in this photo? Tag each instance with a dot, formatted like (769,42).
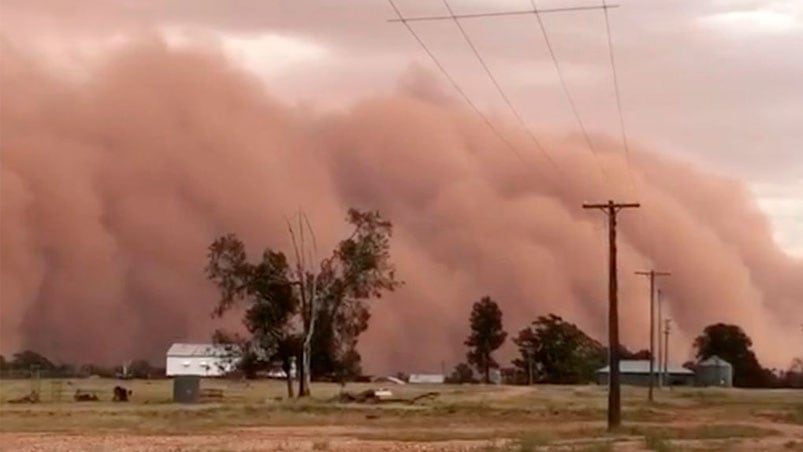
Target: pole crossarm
(503,13)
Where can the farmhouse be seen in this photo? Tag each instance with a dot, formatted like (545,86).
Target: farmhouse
(203,360)
(637,373)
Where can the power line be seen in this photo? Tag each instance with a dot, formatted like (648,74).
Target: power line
(454,83)
(618,96)
(565,86)
(499,88)
(620,111)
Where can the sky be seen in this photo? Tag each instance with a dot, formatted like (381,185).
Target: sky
(716,81)
(709,83)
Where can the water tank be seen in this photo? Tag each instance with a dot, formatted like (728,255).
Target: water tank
(186,389)
(714,371)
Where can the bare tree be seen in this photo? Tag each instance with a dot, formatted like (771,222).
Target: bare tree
(307,278)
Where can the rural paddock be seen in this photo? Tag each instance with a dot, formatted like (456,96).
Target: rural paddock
(252,416)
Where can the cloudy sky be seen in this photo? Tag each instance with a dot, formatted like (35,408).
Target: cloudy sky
(717,81)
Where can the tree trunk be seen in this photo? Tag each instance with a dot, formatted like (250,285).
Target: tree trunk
(487,370)
(288,367)
(303,384)
(306,366)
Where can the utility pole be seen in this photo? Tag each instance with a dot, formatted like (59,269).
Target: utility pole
(658,300)
(614,385)
(666,350)
(652,274)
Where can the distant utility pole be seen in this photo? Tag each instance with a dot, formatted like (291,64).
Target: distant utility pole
(666,350)
(652,274)
(659,302)
(614,385)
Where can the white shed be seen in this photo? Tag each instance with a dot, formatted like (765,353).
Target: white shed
(204,360)
(426,379)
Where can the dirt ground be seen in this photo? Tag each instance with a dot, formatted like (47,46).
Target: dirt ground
(254,417)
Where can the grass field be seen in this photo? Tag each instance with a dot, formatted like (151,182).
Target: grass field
(254,416)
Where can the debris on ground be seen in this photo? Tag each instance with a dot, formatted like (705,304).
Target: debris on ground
(85,396)
(121,394)
(32,397)
(381,396)
(211,393)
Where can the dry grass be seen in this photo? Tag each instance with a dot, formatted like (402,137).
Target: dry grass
(499,418)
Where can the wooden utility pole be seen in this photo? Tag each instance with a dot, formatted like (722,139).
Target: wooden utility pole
(652,274)
(666,351)
(658,300)
(614,385)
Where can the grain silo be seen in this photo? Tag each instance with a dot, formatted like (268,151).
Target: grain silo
(714,371)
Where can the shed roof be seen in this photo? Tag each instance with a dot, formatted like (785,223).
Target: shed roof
(642,366)
(208,350)
(714,361)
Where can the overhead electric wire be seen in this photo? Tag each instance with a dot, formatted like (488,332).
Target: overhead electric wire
(628,164)
(565,86)
(618,96)
(499,88)
(456,85)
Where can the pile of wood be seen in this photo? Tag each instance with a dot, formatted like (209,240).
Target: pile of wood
(85,396)
(381,396)
(211,393)
(121,394)
(32,397)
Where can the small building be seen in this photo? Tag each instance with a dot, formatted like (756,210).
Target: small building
(202,360)
(637,373)
(186,389)
(714,371)
(426,379)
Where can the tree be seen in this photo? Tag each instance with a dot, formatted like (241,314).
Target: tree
(3,363)
(553,350)
(732,344)
(265,287)
(486,336)
(793,377)
(141,368)
(359,269)
(30,360)
(462,373)
(311,310)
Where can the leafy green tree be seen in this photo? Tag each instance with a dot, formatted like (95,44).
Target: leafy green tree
(732,344)
(141,368)
(313,313)
(462,373)
(487,335)
(553,350)
(265,287)
(359,269)
(793,377)
(27,360)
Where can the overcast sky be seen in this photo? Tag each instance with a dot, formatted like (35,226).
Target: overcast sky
(713,81)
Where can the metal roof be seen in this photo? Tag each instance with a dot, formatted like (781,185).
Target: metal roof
(714,361)
(642,366)
(186,350)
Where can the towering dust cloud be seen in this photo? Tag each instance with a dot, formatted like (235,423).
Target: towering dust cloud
(113,186)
